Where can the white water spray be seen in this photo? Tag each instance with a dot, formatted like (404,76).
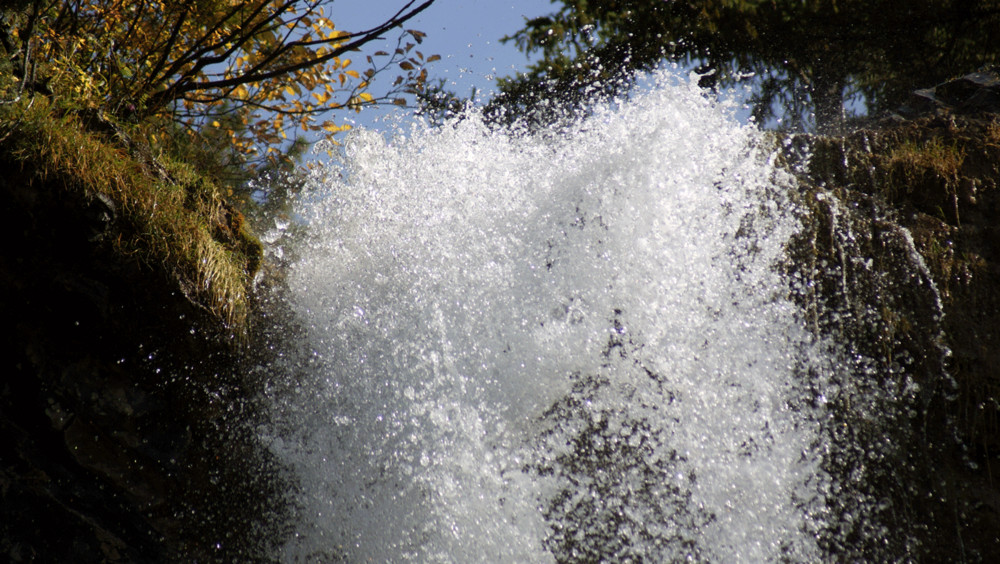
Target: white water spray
(564,346)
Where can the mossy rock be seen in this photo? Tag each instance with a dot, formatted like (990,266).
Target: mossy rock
(934,177)
(126,401)
(167,216)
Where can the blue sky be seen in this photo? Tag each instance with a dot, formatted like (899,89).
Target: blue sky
(465,33)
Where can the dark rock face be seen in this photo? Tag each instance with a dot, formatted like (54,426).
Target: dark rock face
(930,172)
(125,424)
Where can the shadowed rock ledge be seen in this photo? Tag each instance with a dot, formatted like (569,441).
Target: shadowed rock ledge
(933,169)
(126,424)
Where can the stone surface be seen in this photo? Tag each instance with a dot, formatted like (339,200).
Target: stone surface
(932,169)
(123,411)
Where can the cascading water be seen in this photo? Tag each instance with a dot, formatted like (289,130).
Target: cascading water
(573,346)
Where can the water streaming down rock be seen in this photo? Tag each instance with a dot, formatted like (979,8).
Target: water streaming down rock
(571,346)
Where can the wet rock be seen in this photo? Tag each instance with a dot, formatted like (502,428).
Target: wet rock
(123,410)
(930,171)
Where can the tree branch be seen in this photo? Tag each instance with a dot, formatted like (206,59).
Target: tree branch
(184,85)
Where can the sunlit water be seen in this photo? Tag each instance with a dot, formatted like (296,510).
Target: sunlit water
(559,346)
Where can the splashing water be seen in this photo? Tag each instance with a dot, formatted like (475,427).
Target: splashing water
(567,346)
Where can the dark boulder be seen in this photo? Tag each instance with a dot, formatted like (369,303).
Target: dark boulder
(972,93)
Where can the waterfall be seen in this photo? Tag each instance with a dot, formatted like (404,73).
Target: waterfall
(573,346)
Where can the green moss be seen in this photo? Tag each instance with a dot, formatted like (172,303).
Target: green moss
(937,176)
(169,217)
(934,155)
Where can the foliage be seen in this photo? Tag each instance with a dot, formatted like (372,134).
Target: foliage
(165,215)
(805,55)
(259,72)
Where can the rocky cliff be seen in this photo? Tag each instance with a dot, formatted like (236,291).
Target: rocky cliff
(126,403)
(124,416)
(901,252)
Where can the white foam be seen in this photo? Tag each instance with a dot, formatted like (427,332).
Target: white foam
(462,281)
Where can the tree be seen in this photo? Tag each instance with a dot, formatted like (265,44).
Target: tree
(805,56)
(258,71)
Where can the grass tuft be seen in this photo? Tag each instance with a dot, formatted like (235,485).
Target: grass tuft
(169,217)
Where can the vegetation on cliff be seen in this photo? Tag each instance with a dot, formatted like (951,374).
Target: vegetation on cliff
(131,280)
(899,259)
(938,174)
(159,211)
(127,280)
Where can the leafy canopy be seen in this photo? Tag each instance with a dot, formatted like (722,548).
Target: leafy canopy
(258,72)
(806,56)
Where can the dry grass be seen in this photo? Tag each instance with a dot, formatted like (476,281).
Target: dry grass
(171,219)
(935,155)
